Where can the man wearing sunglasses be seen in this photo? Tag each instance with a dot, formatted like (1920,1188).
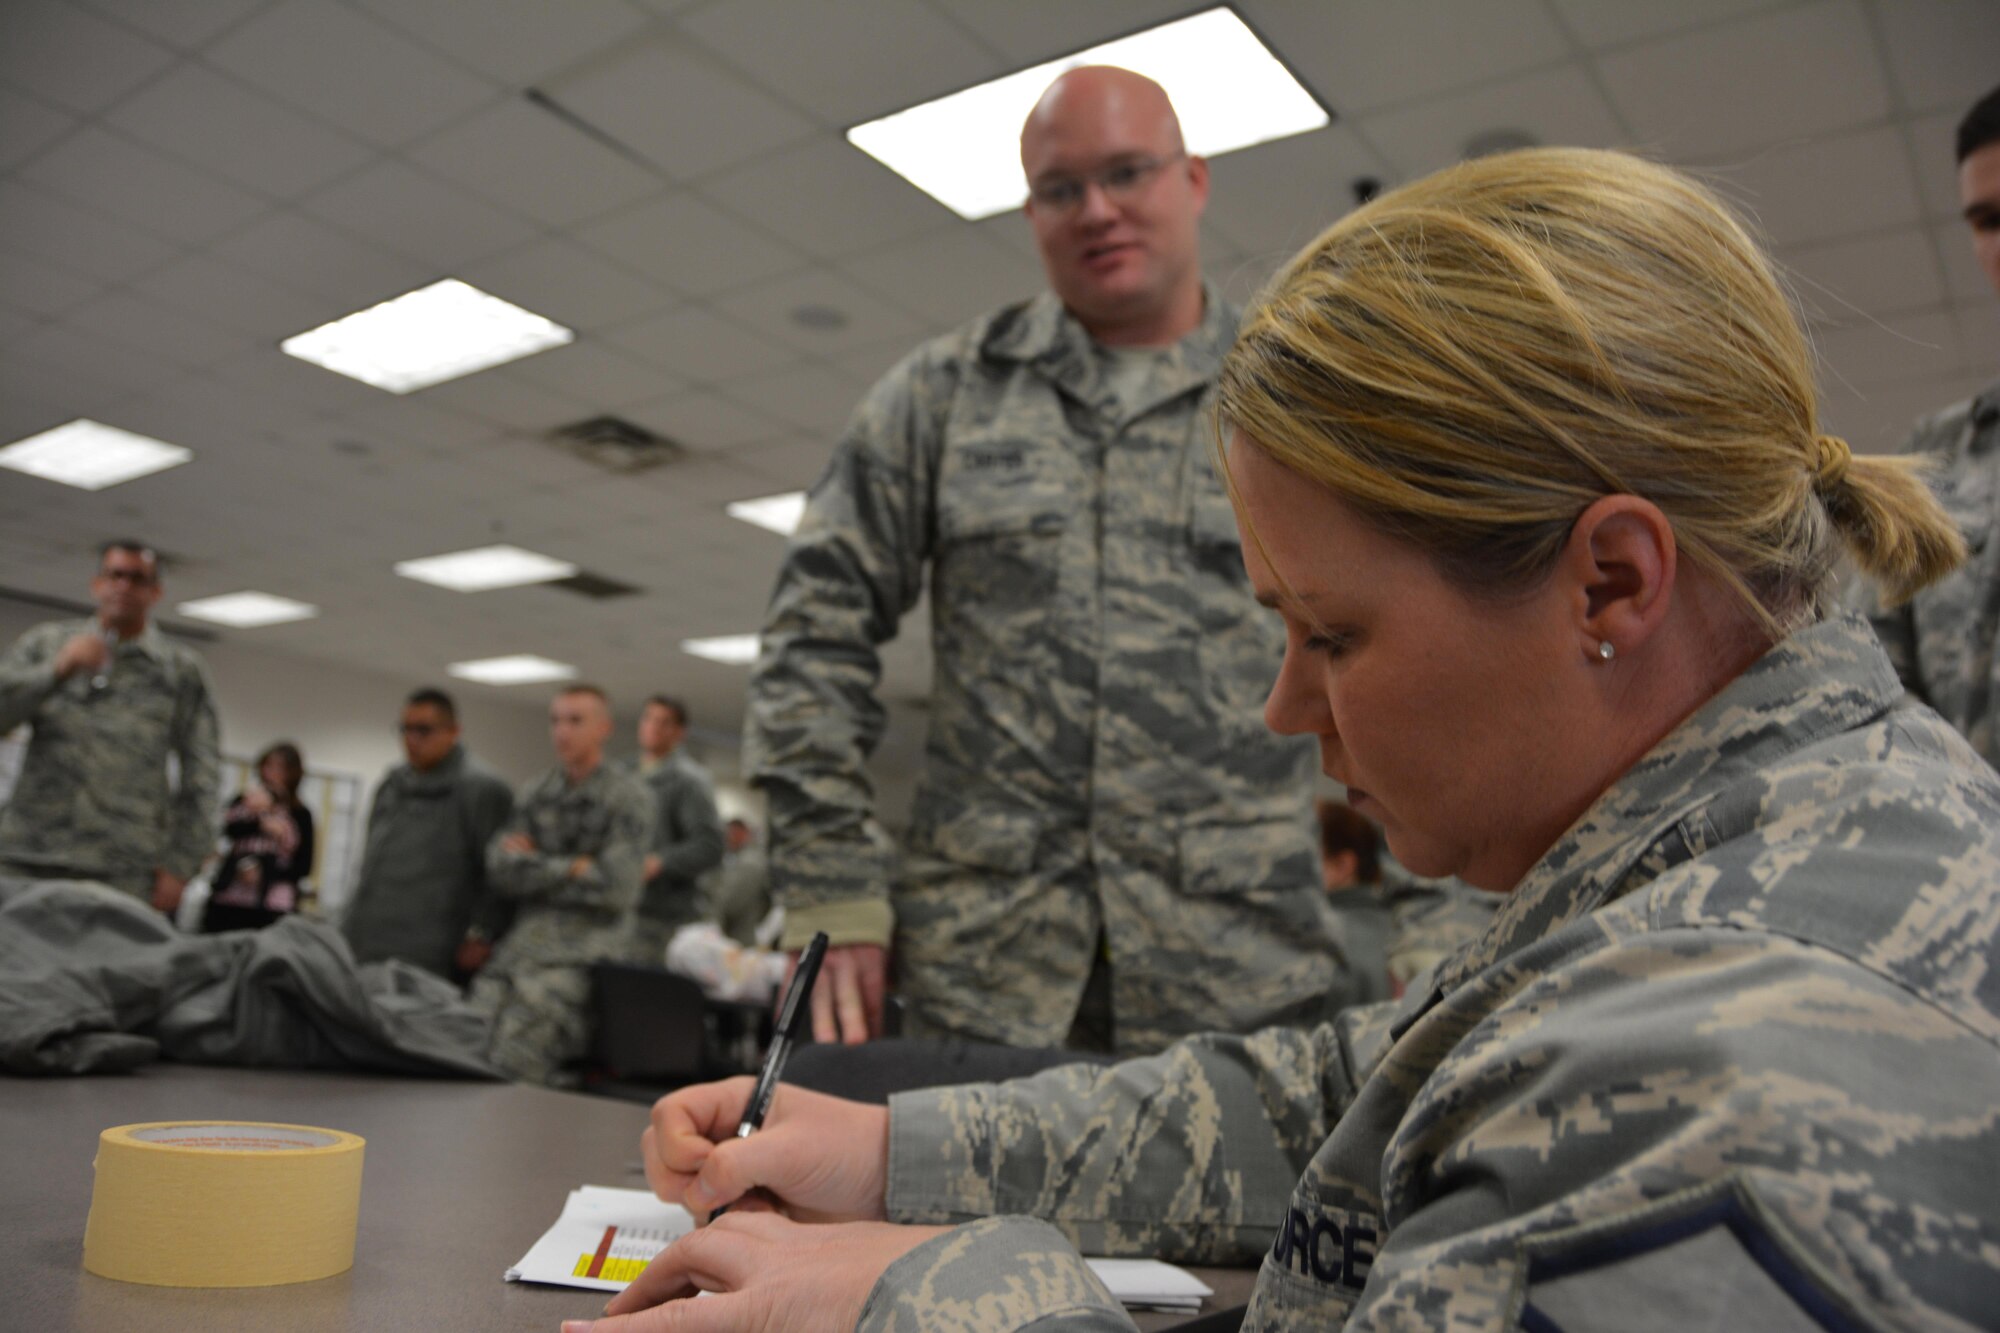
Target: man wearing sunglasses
(422,894)
(1108,850)
(109,700)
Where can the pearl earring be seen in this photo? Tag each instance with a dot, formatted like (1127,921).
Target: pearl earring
(1605,650)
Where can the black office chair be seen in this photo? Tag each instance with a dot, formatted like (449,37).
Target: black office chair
(647,1032)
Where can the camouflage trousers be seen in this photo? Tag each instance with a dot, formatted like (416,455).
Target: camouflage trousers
(540,1017)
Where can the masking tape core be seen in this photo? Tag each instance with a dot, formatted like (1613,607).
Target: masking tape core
(217,1203)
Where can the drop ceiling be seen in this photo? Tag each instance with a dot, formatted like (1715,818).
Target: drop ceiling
(185,183)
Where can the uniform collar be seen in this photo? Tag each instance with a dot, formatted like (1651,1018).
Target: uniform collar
(148,640)
(1823,680)
(1045,335)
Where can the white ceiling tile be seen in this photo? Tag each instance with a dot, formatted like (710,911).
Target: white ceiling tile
(301,252)
(27,124)
(677,107)
(1942,53)
(1769,79)
(41,288)
(950,275)
(1831,187)
(846,64)
(690,244)
(1011,229)
(517,154)
(114,175)
(1934,146)
(534,461)
(1559,106)
(1277,196)
(1877,418)
(112,370)
(1602,23)
(403,426)
(350,70)
(236,132)
(1963,279)
(704,421)
(237,298)
(1979,337)
(295,389)
(185,24)
(769,308)
(1881,351)
(828,198)
(417,215)
(1849,281)
(1031,31)
(72,57)
(39,224)
(507,400)
(809,398)
(170,334)
(699,345)
(515,41)
(866,365)
(555,276)
(1376,53)
(13,324)
(594,374)
(790,465)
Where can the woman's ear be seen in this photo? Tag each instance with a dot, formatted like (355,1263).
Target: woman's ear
(1621,560)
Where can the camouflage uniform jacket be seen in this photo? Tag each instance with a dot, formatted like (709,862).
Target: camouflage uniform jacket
(1096,756)
(1942,640)
(687,837)
(423,867)
(565,919)
(1726,1054)
(93,797)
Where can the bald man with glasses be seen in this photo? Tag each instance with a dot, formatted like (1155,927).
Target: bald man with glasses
(1108,850)
(110,700)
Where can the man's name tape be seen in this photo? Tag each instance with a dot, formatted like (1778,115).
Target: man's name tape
(211,1203)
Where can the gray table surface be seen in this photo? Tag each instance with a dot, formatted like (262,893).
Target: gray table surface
(460,1179)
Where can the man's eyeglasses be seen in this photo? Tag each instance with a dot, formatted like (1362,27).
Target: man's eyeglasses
(138,578)
(1120,182)
(419,729)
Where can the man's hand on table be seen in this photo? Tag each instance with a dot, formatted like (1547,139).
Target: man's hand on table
(847,998)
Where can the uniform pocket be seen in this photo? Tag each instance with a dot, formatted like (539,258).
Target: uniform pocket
(989,839)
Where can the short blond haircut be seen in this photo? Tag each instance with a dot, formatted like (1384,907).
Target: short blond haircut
(1470,361)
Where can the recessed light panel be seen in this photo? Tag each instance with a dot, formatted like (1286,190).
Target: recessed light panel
(734,649)
(964,150)
(426,337)
(485,568)
(779,513)
(519,669)
(248,610)
(90,455)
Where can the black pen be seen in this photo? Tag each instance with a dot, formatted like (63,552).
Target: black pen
(798,1003)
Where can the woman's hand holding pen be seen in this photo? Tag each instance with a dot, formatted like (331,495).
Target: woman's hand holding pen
(821,1158)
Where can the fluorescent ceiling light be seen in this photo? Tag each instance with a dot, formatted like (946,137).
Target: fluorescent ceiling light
(964,150)
(426,337)
(519,669)
(247,610)
(485,568)
(779,513)
(735,649)
(90,455)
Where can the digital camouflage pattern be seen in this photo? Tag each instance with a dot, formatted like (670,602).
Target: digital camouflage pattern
(1394,930)
(423,864)
(93,800)
(687,837)
(1942,640)
(1097,765)
(1747,1004)
(537,984)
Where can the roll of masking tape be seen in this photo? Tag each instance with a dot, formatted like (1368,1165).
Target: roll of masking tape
(211,1203)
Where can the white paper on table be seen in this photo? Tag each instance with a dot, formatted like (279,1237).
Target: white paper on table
(603,1239)
(619,1231)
